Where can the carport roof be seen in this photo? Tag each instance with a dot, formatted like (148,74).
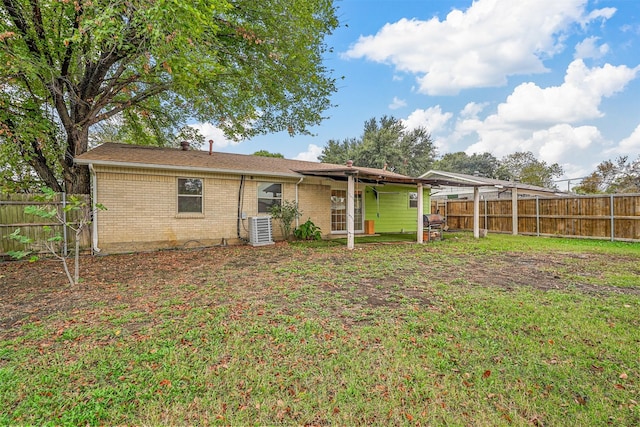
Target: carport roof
(443,178)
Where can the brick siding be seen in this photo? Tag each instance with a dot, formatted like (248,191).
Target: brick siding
(142,208)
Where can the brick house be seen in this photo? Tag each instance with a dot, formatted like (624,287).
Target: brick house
(166,197)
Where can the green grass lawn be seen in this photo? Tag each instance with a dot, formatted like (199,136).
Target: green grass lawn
(449,333)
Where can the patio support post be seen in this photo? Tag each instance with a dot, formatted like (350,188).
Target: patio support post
(420,214)
(476,212)
(514,210)
(350,211)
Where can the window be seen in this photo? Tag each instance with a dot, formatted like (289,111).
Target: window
(189,195)
(269,194)
(413,199)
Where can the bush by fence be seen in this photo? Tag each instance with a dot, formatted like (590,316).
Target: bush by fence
(12,217)
(614,217)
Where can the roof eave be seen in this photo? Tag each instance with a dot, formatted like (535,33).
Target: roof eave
(133,165)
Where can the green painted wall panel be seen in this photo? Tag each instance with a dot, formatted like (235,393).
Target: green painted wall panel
(390,211)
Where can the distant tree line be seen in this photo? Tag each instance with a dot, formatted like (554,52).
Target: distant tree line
(388,143)
(619,176)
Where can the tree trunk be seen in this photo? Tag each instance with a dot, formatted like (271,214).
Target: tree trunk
(76,177)
(78,181)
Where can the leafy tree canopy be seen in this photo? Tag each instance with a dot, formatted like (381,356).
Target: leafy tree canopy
(619,176)
(246,66)
(484,164)
(524,167)
(265,153)
(388,143)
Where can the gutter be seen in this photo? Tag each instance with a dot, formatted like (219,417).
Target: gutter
(94,210)
(184,168)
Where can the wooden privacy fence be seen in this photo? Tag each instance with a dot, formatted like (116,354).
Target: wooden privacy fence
(12,217)
(614,217)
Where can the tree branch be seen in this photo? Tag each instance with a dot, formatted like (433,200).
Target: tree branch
(133,101)
(68,53)
(21,24)
(39,29)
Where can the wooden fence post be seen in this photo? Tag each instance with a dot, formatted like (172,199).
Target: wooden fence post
(613,222)
(514,211)
(537,216)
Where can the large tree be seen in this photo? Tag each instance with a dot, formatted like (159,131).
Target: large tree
(246,66)
(484,164)
(525,168)
(385,143)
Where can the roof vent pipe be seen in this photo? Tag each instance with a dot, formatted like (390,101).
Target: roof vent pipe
(184,145)
(210,146)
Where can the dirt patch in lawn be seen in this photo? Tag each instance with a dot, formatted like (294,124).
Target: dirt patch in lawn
(31,291)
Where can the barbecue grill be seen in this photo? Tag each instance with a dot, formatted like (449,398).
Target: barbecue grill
(433,225)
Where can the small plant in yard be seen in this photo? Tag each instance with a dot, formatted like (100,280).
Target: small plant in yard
(52,242)
(308,231)
(286,213)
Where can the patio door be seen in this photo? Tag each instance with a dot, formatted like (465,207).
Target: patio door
(339,211)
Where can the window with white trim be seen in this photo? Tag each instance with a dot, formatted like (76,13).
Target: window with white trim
(189,195)
(413,199)
(269,194)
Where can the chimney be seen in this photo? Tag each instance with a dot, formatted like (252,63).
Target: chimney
(384,168)
(349,163)
(210,146)
(184,145)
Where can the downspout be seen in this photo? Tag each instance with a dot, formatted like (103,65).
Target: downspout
(94,210)
(240,205)
(297,204)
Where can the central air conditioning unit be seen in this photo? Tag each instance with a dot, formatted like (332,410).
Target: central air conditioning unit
(260,230)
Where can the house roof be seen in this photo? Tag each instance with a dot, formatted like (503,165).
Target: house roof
(138,156)
(443,178)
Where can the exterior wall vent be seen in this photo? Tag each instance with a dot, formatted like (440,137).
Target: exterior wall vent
(260,230)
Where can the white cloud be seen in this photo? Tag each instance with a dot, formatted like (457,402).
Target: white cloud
(209,131)
(397,103)
(578,98)
(561,142)
(629,146)
(631,28)
(588,49)
(471,110)
(478,47)
(604,13)
(432,118)
(311,155)
(549,121)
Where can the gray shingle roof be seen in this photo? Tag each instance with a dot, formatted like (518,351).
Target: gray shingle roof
(126,155)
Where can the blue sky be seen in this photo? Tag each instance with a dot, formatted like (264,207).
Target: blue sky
(559,78)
